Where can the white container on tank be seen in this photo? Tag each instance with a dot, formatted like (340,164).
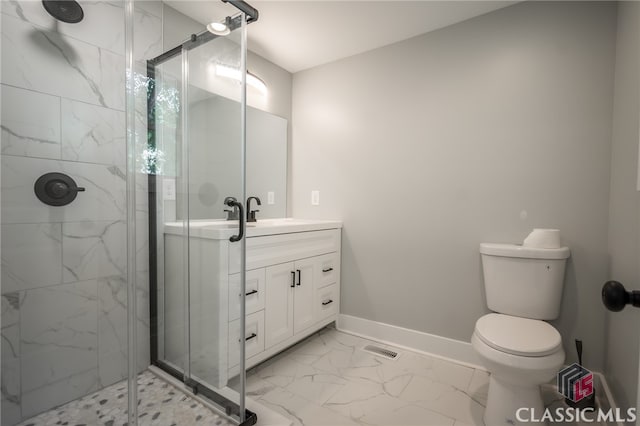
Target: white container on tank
(523,281)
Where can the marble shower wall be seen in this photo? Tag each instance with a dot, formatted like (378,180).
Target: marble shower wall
(64,297)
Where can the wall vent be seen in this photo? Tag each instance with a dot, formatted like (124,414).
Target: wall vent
(385,353)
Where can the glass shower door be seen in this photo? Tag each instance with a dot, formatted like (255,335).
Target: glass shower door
(216,173)
(198,189)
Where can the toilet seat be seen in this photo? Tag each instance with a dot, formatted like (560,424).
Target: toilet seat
(518,336)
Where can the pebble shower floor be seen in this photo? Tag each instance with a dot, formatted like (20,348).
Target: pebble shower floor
(159,404)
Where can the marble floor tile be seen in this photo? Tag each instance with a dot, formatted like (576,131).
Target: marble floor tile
(309,350)
(256,387)
(414,389)
(437,369)
(283,371)
(444,399)
(407,415)
(301,411)
(356,400)
(346,362)
(479,387)
(451,373)
(317,387)
(342,341)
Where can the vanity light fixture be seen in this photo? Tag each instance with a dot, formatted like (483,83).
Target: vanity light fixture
(234,73)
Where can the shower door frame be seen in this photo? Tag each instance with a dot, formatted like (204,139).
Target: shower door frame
(230,407)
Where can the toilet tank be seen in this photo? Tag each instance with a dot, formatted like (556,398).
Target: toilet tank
(523,281)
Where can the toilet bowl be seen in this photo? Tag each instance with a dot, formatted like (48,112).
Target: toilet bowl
(521,354)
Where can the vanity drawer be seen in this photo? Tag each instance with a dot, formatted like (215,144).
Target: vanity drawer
(276,249)
(327,301)
(328,270)
(254,337)
(255,293)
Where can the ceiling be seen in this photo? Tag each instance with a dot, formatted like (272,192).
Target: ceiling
(301,34)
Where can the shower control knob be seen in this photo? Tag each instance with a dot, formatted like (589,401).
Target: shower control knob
(615,297)
(56,189)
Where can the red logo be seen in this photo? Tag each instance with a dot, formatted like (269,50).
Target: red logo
(575,382)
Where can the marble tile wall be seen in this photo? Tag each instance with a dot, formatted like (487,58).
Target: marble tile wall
(64,296)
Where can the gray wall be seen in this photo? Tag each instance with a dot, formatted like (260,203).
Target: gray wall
(621,358)
(428,147)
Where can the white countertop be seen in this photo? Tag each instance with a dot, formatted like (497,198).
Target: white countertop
(222,229)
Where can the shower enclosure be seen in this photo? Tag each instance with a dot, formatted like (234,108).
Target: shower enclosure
(197,96)
(101,105)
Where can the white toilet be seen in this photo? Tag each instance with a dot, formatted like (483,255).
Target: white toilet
(521,351)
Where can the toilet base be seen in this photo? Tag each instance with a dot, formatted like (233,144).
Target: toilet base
(505,399)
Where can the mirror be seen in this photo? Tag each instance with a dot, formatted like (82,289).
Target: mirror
(214,118)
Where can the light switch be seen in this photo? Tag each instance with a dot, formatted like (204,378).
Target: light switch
(271,197)
(315,198)
(169,189)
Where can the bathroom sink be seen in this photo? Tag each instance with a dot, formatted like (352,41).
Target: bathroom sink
(223,229)
(285,221)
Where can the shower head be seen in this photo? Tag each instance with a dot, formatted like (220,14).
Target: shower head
(68,11)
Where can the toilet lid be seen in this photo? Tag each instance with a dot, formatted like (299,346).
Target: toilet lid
(518,336)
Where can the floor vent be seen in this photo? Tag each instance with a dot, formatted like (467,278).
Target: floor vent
(385,353)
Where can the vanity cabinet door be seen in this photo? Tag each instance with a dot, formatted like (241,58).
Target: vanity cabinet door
(280,283)
(303,314)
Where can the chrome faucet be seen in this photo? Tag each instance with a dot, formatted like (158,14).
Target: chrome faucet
(251,214)
(231,214)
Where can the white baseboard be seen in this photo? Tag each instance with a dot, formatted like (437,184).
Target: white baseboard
(417,341)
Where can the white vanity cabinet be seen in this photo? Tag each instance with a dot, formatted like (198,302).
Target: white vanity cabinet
(292,290)
(300,275)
